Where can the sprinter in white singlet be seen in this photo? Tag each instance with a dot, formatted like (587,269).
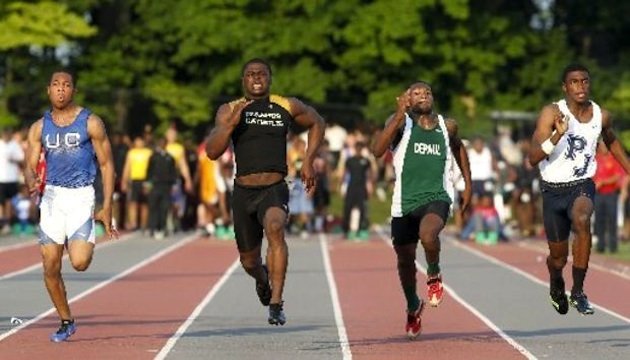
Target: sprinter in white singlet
(563,146)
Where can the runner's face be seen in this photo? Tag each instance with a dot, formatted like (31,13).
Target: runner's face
(61,90)
(577,86)
(256,80)
(421,99)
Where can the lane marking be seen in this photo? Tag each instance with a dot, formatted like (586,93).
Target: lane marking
(520,348)
(195,314)
(37,265)
(530,277)
(18,246)
(102,284)
(334,297)
(623,271)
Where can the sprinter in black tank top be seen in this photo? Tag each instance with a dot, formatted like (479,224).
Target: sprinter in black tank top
(257,126)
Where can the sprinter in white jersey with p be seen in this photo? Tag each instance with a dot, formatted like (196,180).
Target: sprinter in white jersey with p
(563,146)
(73,140)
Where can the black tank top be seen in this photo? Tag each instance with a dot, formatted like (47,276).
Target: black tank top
(260,138)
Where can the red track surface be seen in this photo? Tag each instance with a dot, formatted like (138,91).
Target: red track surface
(19,258)
(374,316)
(133,317)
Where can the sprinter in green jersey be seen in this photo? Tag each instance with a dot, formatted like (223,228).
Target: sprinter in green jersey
(423,144)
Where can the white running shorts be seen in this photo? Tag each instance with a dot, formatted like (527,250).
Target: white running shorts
(66,214)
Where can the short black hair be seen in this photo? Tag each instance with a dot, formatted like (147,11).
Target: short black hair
(72,74)
(256,61)
(571,68)
(420,82)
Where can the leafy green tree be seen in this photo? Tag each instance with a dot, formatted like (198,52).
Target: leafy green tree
(32,30)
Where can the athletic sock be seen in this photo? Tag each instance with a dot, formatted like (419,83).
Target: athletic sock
(413,302)
(433,269)
(555,277)
(578,280)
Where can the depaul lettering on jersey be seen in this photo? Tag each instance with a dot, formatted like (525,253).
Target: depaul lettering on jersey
(427,149)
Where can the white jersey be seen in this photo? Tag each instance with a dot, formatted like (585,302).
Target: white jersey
(573,158)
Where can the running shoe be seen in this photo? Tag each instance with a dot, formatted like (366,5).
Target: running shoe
(263,289)
(414,322)
(435,290)
(559,301)
(66,329)
(276,314)
(580,303)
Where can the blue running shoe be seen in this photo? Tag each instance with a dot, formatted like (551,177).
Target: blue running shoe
(66,329)
(276,314)
(580,302)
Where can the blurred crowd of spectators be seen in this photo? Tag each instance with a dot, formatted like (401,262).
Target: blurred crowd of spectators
(165,185)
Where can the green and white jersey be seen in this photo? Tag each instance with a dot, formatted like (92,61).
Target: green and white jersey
(423,165)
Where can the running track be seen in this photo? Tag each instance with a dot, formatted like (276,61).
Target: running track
(188,298)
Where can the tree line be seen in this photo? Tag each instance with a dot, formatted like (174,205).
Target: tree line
(143,61)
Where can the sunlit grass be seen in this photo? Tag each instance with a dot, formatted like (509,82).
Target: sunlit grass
(623,253)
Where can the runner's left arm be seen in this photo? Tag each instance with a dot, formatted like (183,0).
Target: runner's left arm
(103,150)
(307,117)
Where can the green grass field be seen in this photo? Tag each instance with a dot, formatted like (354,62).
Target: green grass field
(624,252)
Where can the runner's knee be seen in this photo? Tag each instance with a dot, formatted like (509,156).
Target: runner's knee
(274,227)
(557,262)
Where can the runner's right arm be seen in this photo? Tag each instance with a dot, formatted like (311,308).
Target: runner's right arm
(226,120)
(32,157)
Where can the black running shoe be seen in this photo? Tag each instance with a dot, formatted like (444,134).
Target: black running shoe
(580,303)
(559,301)
(276,314)
(263,289)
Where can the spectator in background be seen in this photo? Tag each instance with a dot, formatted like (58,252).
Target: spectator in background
(178,152)
(211,189)
(336,138)
(161,176)
(525,196)
(23,208)
(120,146)
(482,167)
(609,178)
(300,203)
(134,175)
(11,158)
(484,224)
(359,171)
(321,196)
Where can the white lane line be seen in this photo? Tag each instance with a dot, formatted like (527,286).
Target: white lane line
(334,296)
(102,284)
(195,314)
(18,246)
(622,271)
(520,348)
(38,265)
(530,277)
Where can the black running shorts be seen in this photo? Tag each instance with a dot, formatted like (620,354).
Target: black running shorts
(558,200)
(249,205)
(405,229)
